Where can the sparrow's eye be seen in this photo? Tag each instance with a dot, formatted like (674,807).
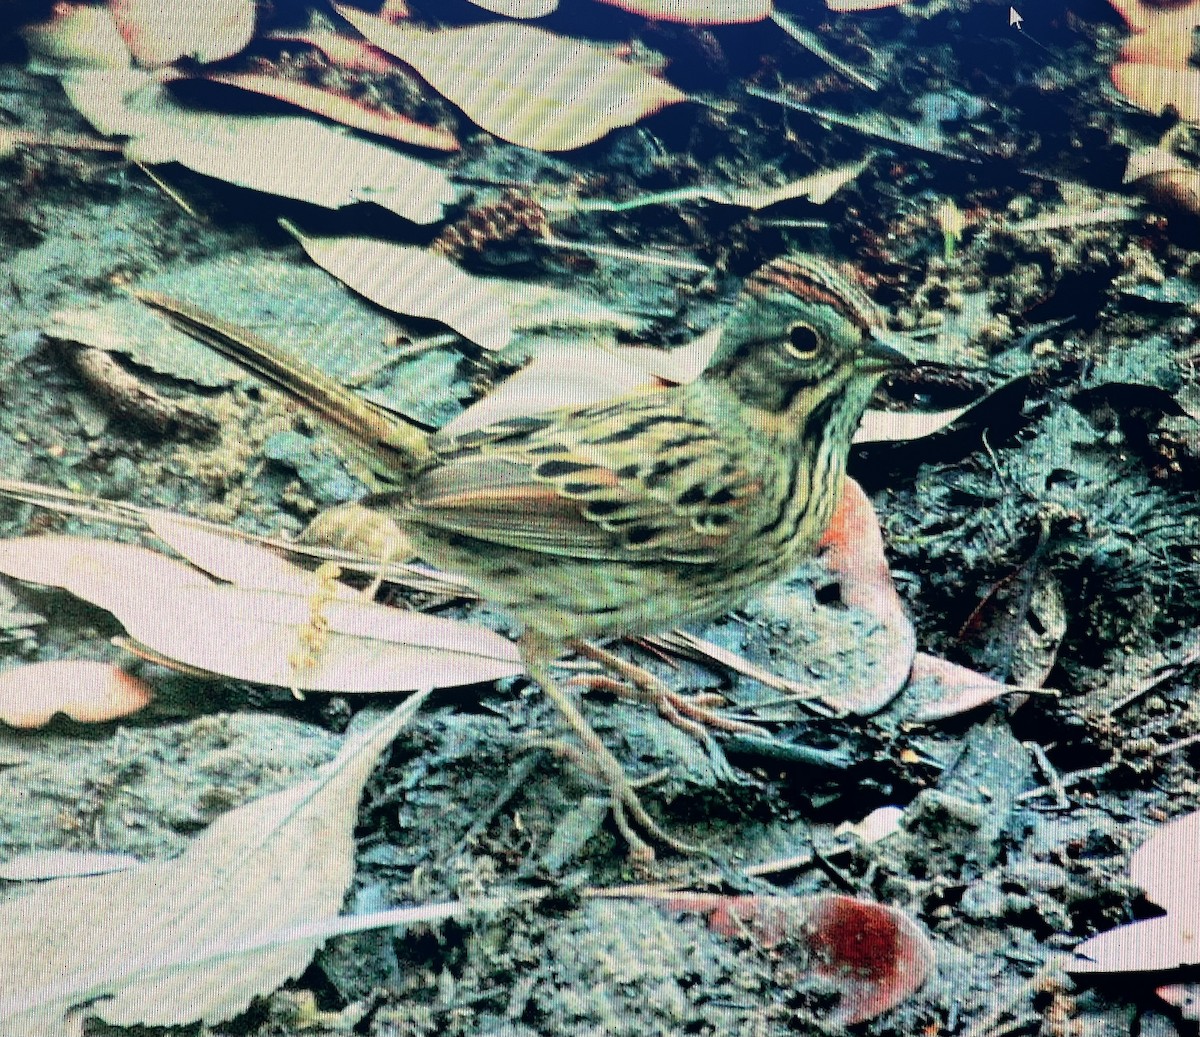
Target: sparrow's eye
(803,342)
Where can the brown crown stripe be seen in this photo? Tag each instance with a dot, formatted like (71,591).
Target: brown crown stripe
(810,278)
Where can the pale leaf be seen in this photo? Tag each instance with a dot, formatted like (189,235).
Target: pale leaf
(888,426)
(257,635)
(123,326)
(1148,161)
(581,373)
(229,558)
(949,690)
(523,84)
(43,865)
(561,374)
(1165,864)
(104,573)
(340,108)
(288,156)
(153,943)
(77,36)
(1075,216)
(206,30)
(1165,867)
(341,50)
(419,283)
(1153,945)
(87,691)
(851,6)
(818,188)
(518,8)
(698,12)
(1156,87)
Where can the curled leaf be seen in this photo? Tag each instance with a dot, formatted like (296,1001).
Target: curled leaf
(854,552)
(90,692)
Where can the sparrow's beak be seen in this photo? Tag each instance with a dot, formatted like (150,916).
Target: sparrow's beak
(884,350)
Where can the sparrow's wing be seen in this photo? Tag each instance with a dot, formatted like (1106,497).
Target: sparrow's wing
(636,479)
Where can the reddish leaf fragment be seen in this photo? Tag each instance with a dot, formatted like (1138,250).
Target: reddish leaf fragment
(1155,71)
(89,692)
(854,554)
(876,955)
(343,51)
(340,108)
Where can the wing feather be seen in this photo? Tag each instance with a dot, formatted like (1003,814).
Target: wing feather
(644,478)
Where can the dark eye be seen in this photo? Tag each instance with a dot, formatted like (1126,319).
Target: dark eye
(803,342)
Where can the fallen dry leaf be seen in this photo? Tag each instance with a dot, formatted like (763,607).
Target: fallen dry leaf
(875,955)
(43,865)
(1165,867)
(343,51)
(340,108)
(853,552)
(78,36)
(207,30)
(233,560)
(421,283)
(123,326)
(699,12)
(157,945)
(416,282)
(817,187)
(90,692)
(254,634)
(290,156)
(854,6)
(523,84)
(953,689)
(563,373)
(1154,70)
(1161,32)
(1157,87)
(518,8)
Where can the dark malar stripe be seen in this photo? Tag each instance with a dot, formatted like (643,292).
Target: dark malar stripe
(812,452)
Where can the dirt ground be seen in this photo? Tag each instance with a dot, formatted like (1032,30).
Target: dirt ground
(1047,539)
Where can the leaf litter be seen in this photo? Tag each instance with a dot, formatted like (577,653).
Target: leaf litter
(189,939)
(1021,486)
